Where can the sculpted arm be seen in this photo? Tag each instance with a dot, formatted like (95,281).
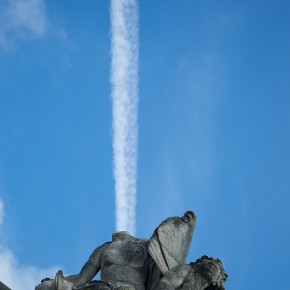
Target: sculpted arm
(89,270)
(87,273)
(182,280)
(175,278)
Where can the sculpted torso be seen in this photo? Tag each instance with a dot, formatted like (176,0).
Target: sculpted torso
(125,261)
(123,264)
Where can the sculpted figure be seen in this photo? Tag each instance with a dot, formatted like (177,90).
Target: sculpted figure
(169,247)
(206,273)
(122,261)
(129,263)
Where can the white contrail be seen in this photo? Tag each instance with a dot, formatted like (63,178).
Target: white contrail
(124,80)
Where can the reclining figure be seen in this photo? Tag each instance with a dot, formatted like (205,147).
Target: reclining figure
(129,263)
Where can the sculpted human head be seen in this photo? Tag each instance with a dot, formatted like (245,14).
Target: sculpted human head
(212,271)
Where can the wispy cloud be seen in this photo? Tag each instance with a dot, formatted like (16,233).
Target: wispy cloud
(25,20)
(124,80)
(22,19)
(26,16)
(16,276)
(19,277)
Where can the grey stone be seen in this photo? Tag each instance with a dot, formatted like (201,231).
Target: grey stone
(130,263)
(205,273)
(3,286)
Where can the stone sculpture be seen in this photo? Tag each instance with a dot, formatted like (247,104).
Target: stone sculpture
(130,263)
(206,273)
(3,286)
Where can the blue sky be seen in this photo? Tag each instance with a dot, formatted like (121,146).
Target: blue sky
(214,123)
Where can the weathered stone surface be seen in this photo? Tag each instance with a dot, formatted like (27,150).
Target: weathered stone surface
(130,263)
(3,286)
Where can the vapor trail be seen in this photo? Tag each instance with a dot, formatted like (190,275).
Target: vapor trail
(124,81)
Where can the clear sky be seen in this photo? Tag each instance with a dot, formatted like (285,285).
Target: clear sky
(214,133)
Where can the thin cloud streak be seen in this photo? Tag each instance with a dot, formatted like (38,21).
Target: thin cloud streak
(124,81)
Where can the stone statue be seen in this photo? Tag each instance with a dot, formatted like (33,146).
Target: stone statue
(206,273)
(130,263)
